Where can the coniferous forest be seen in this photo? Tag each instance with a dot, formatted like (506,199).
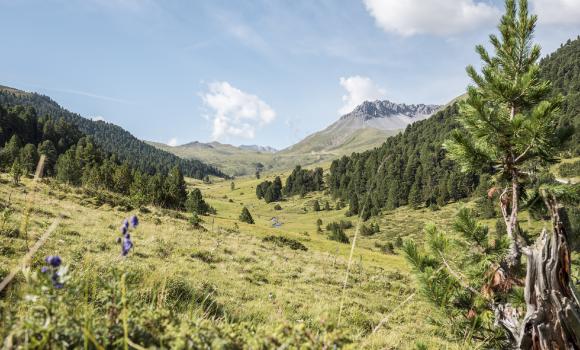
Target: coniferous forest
(411,168)
(112,138)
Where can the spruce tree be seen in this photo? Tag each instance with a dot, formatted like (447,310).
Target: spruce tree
(246,217)
(509,120)
(175,189)
(195,202)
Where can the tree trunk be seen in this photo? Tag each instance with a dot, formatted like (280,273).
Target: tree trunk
(552,320)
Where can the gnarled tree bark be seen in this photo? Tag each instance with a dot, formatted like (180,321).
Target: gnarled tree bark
(552,320)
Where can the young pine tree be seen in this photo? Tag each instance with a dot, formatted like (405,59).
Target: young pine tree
(246,217)
(510,122)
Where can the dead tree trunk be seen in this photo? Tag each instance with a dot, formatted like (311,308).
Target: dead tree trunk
(552,321)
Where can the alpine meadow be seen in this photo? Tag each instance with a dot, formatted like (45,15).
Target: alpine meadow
(293,203)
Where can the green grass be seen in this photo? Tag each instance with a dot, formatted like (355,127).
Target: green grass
(254,281)
(247,280)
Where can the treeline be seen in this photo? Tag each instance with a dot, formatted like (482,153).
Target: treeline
(73,158)
(562,68)
(408,169)
(111,138)
(299,182)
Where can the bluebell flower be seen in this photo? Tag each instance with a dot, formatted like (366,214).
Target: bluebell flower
(134,221)
(126,223)
(123,229)
(127,245)
(53,260)
(44,269)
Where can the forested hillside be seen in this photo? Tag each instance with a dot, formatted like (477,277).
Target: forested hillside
(563,69)
(74,159)
(415,169)
(110,137)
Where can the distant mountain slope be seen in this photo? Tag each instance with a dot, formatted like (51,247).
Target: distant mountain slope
(384,117)
(366,127)
(110,137)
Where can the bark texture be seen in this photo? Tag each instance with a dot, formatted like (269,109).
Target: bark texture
(552,320)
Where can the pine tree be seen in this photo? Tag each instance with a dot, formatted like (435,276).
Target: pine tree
(415,197)
(16,171)
(68,169)
(28,158)
(47,149)
(175,189)
(11,151)
(510,122)
(122,178)
(195,202)
(246,217)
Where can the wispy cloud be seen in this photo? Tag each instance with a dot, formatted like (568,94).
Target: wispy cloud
(80,93)
(91,95)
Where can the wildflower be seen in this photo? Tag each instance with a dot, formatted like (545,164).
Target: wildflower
(126,223)
(53,260)
(127,245)
(123,229)
(134,221)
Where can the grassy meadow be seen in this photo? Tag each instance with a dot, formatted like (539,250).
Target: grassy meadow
(223,276)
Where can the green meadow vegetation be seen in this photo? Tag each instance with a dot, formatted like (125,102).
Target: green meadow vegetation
(225,284)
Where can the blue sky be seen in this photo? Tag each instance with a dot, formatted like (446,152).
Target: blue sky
(263,72)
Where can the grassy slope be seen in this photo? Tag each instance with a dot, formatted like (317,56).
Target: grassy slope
(235,161)
(255,281)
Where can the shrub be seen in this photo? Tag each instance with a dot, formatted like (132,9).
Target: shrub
(277,207)
(285,242)
(336,233)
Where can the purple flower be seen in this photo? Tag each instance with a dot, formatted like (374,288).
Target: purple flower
(134,221)
(126,223)
(123,229)
(127,245)
(44,269)
(53,260)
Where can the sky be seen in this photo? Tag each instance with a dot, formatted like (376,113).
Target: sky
(265,72)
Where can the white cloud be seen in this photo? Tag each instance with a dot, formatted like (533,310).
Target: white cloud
(236,113)
(557,11)
(359,89)
(438,17)
(172,142)
(99,118)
